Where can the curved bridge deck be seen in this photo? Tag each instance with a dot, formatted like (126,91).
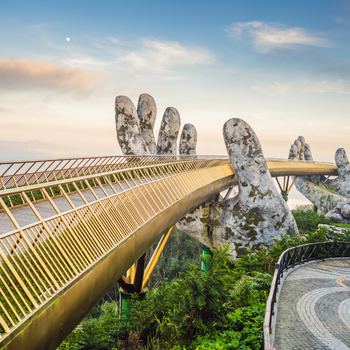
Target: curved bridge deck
(314,307)
(94,218)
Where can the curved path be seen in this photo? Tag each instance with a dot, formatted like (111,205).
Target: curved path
(314,307)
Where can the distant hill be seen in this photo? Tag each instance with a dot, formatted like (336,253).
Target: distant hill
(32,150)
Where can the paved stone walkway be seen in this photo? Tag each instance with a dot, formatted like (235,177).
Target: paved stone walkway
(314,307)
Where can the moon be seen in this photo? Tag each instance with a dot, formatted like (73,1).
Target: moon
(68,39)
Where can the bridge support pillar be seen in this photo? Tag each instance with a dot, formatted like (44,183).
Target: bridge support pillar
(125,302)
(130,287)
(134,285)
(206,265)
(285,188)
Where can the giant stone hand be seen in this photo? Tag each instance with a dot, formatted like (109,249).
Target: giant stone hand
(252,219)
(135,128)
(331,196)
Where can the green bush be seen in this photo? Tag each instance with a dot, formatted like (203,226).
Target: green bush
(244,331)
(221,308)
(216,305)
(309,220)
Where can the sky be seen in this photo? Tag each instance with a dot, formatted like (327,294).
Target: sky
(282,66)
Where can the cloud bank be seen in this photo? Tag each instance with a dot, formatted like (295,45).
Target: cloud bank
(282,88)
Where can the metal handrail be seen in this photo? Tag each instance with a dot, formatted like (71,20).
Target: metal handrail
(38,260)
(15,174)
(68,180)
(295,256)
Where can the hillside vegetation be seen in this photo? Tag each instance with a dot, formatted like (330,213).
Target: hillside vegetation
(222,308)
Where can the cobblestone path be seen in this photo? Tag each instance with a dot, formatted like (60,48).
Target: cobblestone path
(314,307)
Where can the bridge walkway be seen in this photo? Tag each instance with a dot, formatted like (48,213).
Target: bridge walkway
(314,307)
(24,214)
(56,268)
(19,174)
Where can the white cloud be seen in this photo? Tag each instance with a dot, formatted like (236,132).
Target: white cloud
(338,87)
(160,55)
(113,40)
(280,88)
(273,35)
(86,62)
(150,58)
(276,88)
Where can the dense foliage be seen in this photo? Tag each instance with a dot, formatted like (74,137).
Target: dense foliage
(214,306)
(309,220)
(221,308)
(180,251)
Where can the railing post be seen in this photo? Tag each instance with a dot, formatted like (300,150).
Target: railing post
(334,247)
(294,255)
(277,266)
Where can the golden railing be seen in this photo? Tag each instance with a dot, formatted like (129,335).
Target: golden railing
(38,260)
(15,174)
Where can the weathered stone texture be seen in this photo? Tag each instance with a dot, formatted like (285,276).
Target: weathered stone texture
(128,128)
(250,220)
(257,215)
(341,212)
(147,112)
(188,140)
(325,193)
(169,130)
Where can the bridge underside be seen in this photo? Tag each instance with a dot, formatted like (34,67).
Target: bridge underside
(52,323)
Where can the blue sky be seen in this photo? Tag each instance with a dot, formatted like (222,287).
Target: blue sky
(282,66)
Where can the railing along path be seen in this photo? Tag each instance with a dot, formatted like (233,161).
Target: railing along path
(290,258)
(38,260)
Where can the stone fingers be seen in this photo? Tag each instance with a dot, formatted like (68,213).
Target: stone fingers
(129,135)
(188,140)
(341,184)
(301,139)
(169,130)
(258,214)
(307,152)
(296,151)
(342,162)
(327,195)
(147,112)
(244,149)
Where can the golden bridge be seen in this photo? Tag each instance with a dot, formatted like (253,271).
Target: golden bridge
(71,228)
